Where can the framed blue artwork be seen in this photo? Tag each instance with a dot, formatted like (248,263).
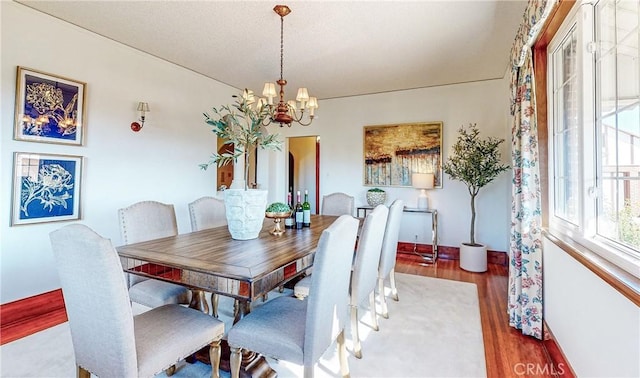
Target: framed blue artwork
(49,108)
(46,188)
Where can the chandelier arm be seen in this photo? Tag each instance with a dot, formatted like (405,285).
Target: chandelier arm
(294,113)
(296,119)
(306,124)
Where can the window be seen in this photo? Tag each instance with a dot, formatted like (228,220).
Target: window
(594,100)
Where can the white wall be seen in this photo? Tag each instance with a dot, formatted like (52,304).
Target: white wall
(340,125)
(121,167)
(597,328)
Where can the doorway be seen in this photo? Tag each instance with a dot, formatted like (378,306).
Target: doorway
(225,172)
(304,169)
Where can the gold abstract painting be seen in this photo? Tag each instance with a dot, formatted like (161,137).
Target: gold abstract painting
(393,152)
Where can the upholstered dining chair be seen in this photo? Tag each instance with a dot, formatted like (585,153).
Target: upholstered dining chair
(337,204)
(387,265)
(300,331)
(144,221)
(364,276)
(208,212)
(108,340)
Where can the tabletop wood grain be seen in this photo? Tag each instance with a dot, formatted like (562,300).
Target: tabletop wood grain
(198,257)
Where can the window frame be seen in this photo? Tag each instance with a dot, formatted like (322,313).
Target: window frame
(580,18)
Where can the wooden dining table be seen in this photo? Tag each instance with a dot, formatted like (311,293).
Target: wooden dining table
(210,260)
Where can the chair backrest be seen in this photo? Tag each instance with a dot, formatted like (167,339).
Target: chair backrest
(327,310)
(390,242)
(207,212)
(96,300)
(337,204)
(146,220)
(365,269)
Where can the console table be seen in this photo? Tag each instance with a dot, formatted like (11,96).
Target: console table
(428,257)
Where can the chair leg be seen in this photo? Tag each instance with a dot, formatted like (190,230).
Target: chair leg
(83,373)
(235,360)
(392,280)
(170,370)
(372,309)
(214,303)
(383,299)
(357,348)
(342,354)
(214,357)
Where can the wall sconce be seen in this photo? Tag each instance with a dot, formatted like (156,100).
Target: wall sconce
(143,107)
(422,181)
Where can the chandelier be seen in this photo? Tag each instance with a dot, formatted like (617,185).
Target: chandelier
(283,112)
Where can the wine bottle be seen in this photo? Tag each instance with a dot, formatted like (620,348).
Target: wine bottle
(299,216)
(288,222)
(306,210)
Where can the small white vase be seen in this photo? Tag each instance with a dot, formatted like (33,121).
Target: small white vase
(245,212)
(473,258)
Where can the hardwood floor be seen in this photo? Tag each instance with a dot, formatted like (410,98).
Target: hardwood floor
(508,353)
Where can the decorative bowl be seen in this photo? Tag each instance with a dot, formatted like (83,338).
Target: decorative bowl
(277,219)
(376,198)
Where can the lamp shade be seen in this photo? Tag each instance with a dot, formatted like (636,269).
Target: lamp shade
(143,107)
(269,90)
(422,180)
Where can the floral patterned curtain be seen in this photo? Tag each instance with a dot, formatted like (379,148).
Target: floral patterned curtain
(525,246)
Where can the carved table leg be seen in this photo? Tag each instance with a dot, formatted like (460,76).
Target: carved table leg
(198,301)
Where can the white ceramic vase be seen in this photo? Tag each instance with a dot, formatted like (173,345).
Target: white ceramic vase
(245,212)
(473,258)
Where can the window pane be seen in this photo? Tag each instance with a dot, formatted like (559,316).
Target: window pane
(606,25)
(618,120)
(607,68)
(566,136)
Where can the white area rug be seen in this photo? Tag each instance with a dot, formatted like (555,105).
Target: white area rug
(433,331)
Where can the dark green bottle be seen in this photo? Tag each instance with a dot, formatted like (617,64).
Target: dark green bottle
(306,210)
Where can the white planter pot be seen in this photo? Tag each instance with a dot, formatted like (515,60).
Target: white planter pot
(376,198)
(473,258)
(245,212)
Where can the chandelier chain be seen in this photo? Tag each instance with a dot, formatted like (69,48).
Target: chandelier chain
(281,45)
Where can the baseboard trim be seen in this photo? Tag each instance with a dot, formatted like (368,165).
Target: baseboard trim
(450,253)
(559,365)
(30,315)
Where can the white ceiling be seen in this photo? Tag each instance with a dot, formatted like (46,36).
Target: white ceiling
(335,48)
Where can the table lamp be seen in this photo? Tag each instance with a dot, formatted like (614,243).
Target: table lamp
(422,181)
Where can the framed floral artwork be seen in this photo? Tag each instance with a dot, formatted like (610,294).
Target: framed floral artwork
(393,152)
(46,188)
(49,108)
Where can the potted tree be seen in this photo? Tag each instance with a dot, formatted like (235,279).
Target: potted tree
(476,162)
(241,124)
